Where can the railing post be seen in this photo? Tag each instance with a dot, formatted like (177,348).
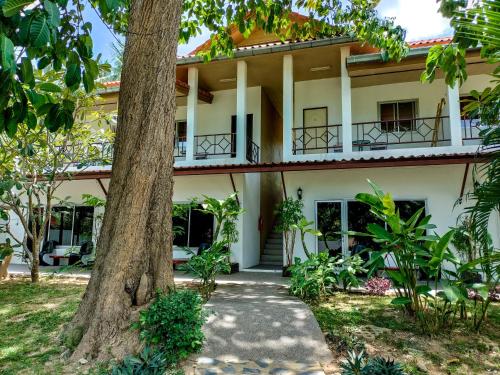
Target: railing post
(241,111)
(345,84)
(192,112)
(454,113)
(287,106)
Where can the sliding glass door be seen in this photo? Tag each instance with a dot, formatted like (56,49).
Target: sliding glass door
(334,218)
(71,226)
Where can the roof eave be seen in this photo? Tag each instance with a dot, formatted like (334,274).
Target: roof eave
(285,47)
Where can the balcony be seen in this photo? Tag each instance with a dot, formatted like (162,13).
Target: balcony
(377,135)
(407,133)
(222,146)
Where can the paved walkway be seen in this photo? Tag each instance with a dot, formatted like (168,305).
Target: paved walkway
(260,329)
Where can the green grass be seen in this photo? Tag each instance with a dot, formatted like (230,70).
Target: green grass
(31,319)
(358,321)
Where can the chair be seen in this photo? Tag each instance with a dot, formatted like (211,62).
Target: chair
(47,248)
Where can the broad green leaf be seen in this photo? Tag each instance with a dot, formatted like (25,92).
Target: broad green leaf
(7,52)
(401,301)
(12,7)
(453,293)
(26,71)
(11,127)
(396,276)
(73,76)
(49,87)
(423,289)
(39,31)
(31,120)
(52,9)
(379,232)
(482,290)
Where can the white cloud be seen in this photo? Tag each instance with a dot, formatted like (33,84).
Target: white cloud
(420,18)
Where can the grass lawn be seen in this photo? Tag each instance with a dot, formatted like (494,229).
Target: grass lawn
(31,318)
(356,321)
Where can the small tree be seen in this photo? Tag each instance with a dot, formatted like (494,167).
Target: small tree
(289,215)
(36,162)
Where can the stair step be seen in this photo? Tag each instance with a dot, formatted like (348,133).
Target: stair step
(274,247)
(276,258)
(274,241)
(274,250)
(271,262)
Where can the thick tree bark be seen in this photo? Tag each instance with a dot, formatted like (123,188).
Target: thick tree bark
(134,250)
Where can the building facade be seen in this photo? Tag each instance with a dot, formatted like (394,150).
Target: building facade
(316,117)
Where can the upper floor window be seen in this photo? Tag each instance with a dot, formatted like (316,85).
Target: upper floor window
(398,116)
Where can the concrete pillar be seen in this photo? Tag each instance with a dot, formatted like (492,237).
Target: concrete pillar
(192,112)
(287,107)
(241,111)
(345,85)
(454,113)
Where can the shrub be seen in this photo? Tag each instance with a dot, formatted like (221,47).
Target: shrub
(148,362)
(360,364)
(172,324)
(311,278)
(288,215)
(378,286)
(207,266)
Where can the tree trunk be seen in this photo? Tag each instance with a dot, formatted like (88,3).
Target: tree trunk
(35,263)
(4,267)
(134,250)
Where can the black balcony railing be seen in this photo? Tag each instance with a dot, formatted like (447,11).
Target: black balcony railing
(180,147)
(471,129)
(210,145)
(215,145)
(317,139)
(415,132)
(252,151)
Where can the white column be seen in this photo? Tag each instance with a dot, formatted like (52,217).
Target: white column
(241,111)
(192,112)
(454,113)
(287,107)
(345,90)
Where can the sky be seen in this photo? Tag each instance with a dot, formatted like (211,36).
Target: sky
(420,18)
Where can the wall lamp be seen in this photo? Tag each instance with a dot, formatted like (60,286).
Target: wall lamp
(299,193)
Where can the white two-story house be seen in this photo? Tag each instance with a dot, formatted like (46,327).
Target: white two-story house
(310,119)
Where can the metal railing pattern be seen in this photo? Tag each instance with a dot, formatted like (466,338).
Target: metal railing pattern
(317,138)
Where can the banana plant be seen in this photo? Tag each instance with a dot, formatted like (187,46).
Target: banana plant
(304,227)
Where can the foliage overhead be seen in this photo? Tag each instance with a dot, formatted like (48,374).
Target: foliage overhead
(53,35)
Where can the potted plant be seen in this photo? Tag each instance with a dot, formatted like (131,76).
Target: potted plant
(289,215)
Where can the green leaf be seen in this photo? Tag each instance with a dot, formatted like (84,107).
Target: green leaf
(12,7)
(11,127)
(73,76)
(50,87)
(39,31)
(26,71)
(422,289)
(88,82)
(7,52)
(401,301)
(52,9)
(31,120)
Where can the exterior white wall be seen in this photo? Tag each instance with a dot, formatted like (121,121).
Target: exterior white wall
(246,251)
(318,93)
(215,118)
(439,186)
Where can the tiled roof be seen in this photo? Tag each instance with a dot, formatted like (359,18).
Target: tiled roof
(412,44)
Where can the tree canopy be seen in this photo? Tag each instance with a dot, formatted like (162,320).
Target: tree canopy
(53,35)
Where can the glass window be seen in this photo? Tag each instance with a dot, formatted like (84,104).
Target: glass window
(83,225)
(71,226)
(398,116)
(194,229)
(329,221)
(61,225)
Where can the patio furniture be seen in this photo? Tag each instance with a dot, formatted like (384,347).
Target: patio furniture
(48,248)
(57,259)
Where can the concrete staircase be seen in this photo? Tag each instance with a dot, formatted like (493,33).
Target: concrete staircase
(272,254)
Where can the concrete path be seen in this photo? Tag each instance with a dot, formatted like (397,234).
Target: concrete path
(260,328)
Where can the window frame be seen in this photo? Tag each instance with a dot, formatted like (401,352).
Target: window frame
(396,128)
(73,216)
(344,216)
(188,237)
